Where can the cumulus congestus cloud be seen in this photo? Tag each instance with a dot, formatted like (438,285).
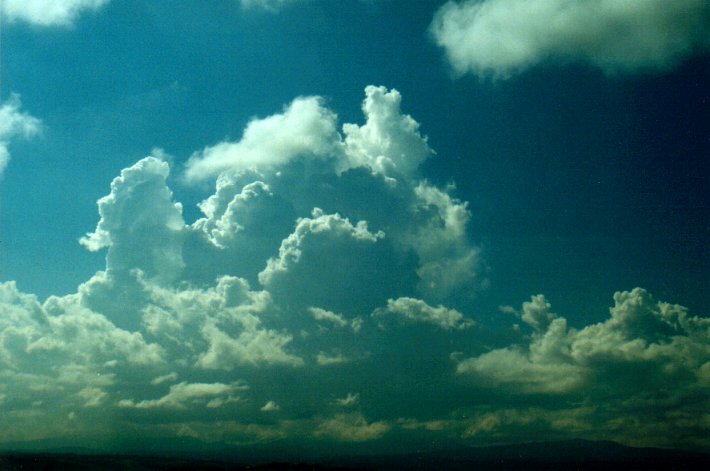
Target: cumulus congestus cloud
(500,38)
(327,292)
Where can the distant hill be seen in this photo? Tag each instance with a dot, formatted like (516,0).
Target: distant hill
(570,454)
(563,455)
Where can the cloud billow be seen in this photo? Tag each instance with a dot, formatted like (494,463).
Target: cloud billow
(327,293)
(648,360)
(500,38)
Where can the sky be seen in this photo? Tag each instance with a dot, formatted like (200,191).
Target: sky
(361,226)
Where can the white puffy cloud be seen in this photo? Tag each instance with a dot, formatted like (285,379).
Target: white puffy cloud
(227,219)
(447,260)
(14,123)
(351,428)
(502,37)
(58,356)
(348,401)
(255,347)
(62,330)
(164,378)
(388,143)
(305,128)
(329,262)
(327,316)
(536,313)
(87,337)
(94,396)
(244,224)
(264,301)
(643,344)
(48,12)
(144,232)
(529,371)
(287,164)
(320,224)
(221,327)
(329,359)
(270,406)
(410,310)
(505,421)
(140,224)
(180,395)
(638,377)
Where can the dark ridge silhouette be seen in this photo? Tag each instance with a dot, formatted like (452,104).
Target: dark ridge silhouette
(562,455)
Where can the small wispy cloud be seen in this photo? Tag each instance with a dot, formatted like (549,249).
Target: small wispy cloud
(14,123)
(48,12)
(272,6)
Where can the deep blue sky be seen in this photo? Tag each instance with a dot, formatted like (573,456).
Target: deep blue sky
(582,178)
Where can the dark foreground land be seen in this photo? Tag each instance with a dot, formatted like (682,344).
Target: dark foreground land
(568,455)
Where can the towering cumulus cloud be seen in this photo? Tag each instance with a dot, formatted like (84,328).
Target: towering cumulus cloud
(327,294)
(140,225)
(502,37)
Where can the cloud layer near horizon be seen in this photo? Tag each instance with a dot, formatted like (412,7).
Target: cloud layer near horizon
(500,38)
(327,294)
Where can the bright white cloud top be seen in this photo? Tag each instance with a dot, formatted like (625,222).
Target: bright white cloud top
(503,37)
(388,143)
(323,281)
